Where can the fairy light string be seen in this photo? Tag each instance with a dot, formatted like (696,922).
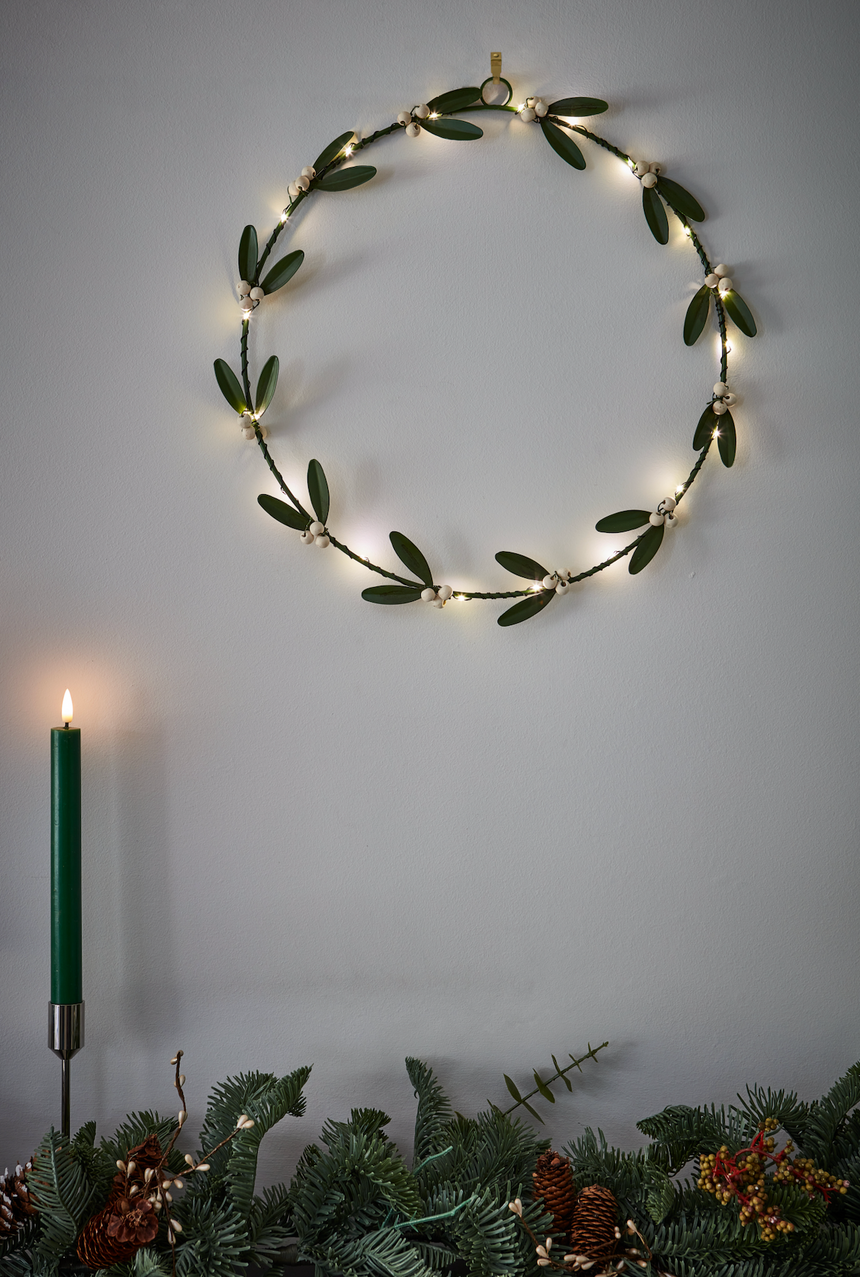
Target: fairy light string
(332,172)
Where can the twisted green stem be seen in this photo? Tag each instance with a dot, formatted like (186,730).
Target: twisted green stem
(279,478)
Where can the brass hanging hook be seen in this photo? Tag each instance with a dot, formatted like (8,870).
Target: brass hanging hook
(496,67)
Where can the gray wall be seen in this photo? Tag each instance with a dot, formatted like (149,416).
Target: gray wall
(319,831)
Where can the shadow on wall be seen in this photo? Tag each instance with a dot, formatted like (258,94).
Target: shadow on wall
(148,1005)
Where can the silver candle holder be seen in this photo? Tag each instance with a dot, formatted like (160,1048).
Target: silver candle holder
(65,1038)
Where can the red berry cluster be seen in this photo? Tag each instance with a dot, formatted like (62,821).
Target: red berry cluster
(742,1177)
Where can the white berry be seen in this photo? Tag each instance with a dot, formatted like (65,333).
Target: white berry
(412,130)
(307,537)
(719,407)
(445,592)
(422,111)
(244,288)
(438,602)
(642,167)
(293,191)
(302,183)
(656,520)
(720,389)
(528,114)
(668,504)
(722,269)
(730,399)
(541,108)
(404,117)
(316,528)
(247,303)
(548,582)
(671,521)
(712,280)
(248,432)
(322,541)
(428,595)
(257,294)
(309,171)
(726,285)
(562,587)
(649,180)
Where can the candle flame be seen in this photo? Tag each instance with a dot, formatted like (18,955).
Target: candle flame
(68,709)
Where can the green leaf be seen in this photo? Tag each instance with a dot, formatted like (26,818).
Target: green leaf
(318,490)
(563,1076)
(512,1087)
(266,385)
(526,1104)
(649,544)
(454,130)
(410,555)
(697,315)
(655,214)
(283,271)
(738,311)
(454,100)
(543,1088)
(248,254)
(706,426)
(727,439)
(562,144)
(578,106)
(334,148)
(623,521)
(344,179)
(520,565)
(282,512)
(680,199)
(521,611)
(391,594)
(230,388)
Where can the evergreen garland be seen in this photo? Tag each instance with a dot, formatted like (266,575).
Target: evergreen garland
(356,1208)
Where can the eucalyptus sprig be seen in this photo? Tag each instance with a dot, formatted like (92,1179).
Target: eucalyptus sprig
(333,173)
(542,1085)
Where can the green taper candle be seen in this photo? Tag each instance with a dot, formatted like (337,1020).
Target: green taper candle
(66,974)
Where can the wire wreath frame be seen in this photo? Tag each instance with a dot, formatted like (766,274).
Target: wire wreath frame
(332,173)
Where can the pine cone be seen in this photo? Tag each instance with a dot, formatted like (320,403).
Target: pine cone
(127,1220)
(595,1219)
(15,1204)
(553,1181)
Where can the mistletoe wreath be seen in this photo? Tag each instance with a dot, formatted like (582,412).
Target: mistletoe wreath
(331,173)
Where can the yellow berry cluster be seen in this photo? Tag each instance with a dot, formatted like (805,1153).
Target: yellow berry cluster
(741,1177)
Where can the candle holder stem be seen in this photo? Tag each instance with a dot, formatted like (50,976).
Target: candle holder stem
(65,1039)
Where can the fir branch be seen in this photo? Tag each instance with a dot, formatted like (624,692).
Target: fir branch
(62,1193)
(827,1117)
(434,1111)
(282,1097)
(213,1241)
(269,1225)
